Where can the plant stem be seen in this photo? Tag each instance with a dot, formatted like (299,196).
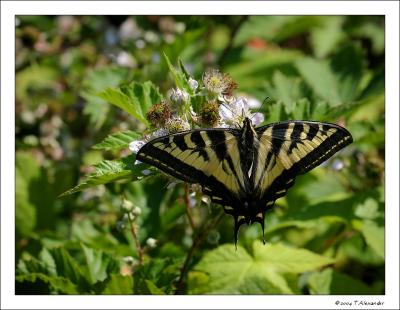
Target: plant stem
(136,239)
(187,205)
(233,33)
(196,242)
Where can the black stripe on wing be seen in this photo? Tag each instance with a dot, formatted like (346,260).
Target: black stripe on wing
(214,140)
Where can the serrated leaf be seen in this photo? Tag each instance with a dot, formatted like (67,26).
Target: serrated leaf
(142,94)
(99,264)
(326,37)
(374,236)
(329,281)
(67,267)
(233,272)
(25,212)
(109,171)
(348,66)
(286,89)
(119,285)
(178,76)
(117,140)
(319,76)
(54,283)
(287,259)
(94,82)
(124,102)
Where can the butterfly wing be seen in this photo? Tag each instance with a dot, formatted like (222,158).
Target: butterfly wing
(209,157)
(291,148)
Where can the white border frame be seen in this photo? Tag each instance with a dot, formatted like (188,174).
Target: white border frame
(9,9)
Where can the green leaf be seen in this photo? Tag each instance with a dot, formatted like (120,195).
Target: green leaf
(146,287)
(374,236)
(67,267)
(119,285)
(276,28)
(179,77)
(326,37)
(118,140)
(368,209)
(96,81)
(25,212)
(126,103)
(250,73)
(348,66)
(319,76)
(227,271)
(157,276)
(134,98)
(99,264)
(288,259)
(30,283)
(286,89)
(110,171)
(332,282)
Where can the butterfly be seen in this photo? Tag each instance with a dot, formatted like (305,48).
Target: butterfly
(246,169)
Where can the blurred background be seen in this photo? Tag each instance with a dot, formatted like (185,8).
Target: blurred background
(323,68)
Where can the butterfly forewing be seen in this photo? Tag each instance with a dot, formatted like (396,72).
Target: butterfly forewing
(208,157)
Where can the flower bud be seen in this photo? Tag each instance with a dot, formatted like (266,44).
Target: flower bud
(127,205)
(151,243)
(136,211)
(193,84)
(179,96)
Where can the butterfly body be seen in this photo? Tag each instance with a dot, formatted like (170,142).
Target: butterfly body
(245,169)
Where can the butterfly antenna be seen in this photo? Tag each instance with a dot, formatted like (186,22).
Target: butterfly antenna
(259,109)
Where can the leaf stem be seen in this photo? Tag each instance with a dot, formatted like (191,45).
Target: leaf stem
(202,233)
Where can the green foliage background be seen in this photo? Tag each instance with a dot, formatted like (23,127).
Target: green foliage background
(325,237)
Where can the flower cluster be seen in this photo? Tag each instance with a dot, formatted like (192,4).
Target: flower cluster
(206,103)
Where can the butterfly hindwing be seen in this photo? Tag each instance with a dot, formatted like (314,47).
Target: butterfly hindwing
(209,157)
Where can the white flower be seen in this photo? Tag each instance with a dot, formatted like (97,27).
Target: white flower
(193,84)
(178,95)
(253,103)
(151,243)
(233,113)
(159,133)
(136,145)
(257,118)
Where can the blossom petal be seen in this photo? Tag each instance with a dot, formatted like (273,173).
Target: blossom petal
(136,145)
(257,119)
(225,113)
